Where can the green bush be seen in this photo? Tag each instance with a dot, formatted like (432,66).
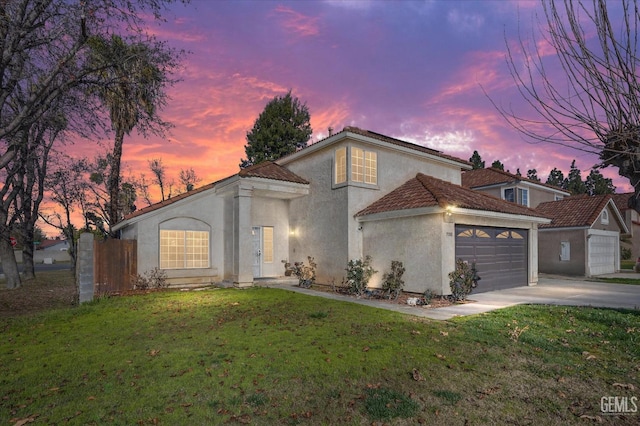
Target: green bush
(463,280)
(306,273)
(392,282)
(359,272)
(625,253)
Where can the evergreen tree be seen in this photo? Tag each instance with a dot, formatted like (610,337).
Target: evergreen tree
(575,185)
(476,161)
(497,165)
(282,128)
(597,184)
(556,178)
(532,174)
(518,172)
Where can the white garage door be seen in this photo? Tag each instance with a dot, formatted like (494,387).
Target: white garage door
(602,254)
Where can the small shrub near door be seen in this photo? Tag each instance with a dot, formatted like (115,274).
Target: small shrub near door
(392,282)
(306,273)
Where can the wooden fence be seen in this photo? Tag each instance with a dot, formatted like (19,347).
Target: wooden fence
(114,266)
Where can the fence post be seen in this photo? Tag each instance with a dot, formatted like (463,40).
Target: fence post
(84,268)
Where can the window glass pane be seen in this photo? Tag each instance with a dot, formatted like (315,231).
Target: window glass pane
(481,234)
(184,249)
(371,168)
(357,165)
(504,234)
(341,165)
(523,195)
(467,233)
(267,242)
(516,236)
(509,195)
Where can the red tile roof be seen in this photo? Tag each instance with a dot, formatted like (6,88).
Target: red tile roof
(427,191)
(485,177)
(404,144)
(265,170)
(575,211)
(269,170)
(622,200)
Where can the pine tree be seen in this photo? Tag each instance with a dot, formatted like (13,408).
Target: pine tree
(497,165)
(476,161)
(282,128)
(597,184)
(556,178)
(575,185)
(532,174)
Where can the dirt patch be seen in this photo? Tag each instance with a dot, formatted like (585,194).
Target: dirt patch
(50,290)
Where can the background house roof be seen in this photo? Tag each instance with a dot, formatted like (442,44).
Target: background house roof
(427,191)
(490,176)
(622,200)
(575,211)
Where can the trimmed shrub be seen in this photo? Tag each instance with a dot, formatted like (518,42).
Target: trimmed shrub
(359,272)
(306,273)
(392,282)
(463,280)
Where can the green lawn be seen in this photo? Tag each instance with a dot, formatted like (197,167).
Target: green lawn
(270,356)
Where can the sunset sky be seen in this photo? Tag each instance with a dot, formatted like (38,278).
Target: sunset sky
(411,70)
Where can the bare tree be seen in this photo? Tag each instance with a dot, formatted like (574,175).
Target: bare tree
(585,95)
(160,177)
(189,179)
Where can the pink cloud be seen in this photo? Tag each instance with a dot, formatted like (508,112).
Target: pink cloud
(297,23)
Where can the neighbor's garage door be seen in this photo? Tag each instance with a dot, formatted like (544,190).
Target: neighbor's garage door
(602,254)
(500,255)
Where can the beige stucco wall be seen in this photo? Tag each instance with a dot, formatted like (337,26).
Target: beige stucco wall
(549,251)
(199,212)
(419,242)
(275,213)
(324,223)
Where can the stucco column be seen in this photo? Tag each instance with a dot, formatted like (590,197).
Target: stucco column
(533,255)
(448,244)
(243,247)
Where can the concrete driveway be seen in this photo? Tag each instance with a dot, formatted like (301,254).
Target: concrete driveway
(550,290)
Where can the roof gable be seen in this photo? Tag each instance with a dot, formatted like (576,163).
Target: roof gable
(427,191)
(372,137)
(264,170)
(622,200)
(575,211)
(478,178)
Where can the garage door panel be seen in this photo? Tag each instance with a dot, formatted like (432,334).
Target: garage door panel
(501,260)
(602,254)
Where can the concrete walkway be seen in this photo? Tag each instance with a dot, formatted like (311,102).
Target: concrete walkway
(551,290)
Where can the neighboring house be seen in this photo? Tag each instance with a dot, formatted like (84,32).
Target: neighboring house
(328,201)
(510,187)
(632,220)
(583,237)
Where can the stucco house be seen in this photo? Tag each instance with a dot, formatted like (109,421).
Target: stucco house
(632,219)
(353,194)
(510,187)
(583,237)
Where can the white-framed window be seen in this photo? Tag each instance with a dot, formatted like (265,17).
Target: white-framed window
(565,251)
(516,195)
(181,249)
(558,197)
(340,165)
(604,217)
(267,244)
(362,166)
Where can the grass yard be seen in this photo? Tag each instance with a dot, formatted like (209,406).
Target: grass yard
(269,356)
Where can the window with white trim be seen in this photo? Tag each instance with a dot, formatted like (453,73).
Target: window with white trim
(604,217)
(184,249)
(516,195)
(361,168)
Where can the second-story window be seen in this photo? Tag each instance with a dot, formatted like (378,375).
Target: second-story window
(517,195)
(361,168)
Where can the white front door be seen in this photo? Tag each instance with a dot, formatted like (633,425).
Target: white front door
(256,233)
